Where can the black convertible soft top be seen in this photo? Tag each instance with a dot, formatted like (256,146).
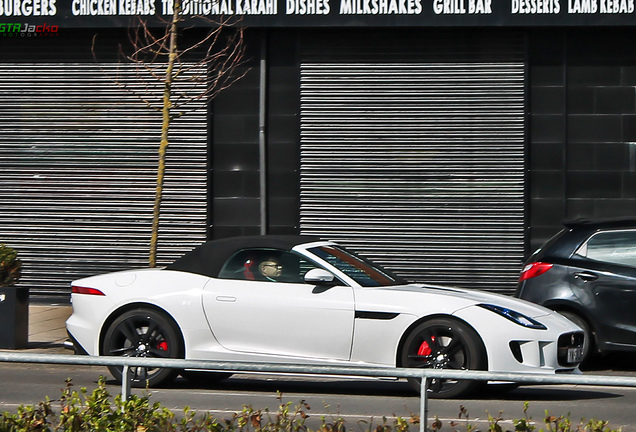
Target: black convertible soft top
(208,258)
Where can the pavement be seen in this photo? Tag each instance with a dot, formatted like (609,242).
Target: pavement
(47,330)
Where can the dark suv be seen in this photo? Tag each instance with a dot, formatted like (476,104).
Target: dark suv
(587,272)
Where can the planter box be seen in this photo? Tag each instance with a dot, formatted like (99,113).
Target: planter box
(14,317)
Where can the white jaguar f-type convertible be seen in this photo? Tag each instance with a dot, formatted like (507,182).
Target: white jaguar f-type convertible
(302,300)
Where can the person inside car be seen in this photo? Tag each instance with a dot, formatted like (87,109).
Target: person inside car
(271,269)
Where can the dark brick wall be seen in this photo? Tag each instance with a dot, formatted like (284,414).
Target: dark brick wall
(234,154)
(582,127)
(283,134)
(234,164)
(547,132)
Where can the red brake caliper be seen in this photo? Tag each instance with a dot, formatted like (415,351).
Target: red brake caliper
(163,346)
(425,349)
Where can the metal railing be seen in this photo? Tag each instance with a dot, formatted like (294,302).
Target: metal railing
(355,371)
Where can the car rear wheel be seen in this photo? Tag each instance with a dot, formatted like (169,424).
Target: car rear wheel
(144,333)
(588,342)
(443,343)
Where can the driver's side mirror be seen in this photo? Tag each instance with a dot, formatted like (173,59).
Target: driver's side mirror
(319,276)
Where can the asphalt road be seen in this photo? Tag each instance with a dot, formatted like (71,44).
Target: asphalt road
(358,402)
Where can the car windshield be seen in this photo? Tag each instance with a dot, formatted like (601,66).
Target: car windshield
(364,272)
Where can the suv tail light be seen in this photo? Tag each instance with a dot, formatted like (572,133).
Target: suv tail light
(533,270)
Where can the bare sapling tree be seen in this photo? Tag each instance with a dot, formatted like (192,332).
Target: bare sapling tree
(207,64)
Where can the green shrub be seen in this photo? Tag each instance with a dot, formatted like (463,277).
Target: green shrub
(10,266)
(99,412)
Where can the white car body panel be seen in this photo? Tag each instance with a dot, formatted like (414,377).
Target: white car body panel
(538,346)
(303,321)
(148,286)
(225,319)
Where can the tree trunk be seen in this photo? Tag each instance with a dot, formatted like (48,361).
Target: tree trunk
(165,127)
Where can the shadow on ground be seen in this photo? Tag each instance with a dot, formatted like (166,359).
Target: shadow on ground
(618,362)
(400,389)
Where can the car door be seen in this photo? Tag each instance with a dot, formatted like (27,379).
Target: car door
(604,279)
(286,317)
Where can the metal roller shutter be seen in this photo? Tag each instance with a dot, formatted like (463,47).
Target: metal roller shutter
(78,157)
(418,161)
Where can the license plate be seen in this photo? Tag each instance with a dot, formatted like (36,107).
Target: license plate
(575,355)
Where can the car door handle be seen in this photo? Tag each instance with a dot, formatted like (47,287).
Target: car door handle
(226,299)
(586,276)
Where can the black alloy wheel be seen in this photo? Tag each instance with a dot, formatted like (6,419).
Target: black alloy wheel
(144,333)
(444,343)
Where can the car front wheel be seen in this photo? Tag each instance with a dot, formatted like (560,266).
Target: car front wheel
(444,343)
(143,333)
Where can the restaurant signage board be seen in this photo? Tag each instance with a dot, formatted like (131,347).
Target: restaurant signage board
(323,13)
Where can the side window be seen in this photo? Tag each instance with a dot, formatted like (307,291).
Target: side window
(266,265)
(617,247)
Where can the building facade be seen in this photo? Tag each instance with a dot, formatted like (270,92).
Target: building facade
(445,139)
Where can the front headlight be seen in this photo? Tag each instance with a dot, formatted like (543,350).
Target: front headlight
(514,316)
